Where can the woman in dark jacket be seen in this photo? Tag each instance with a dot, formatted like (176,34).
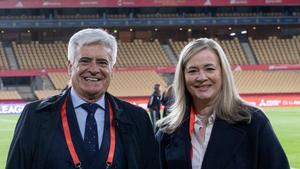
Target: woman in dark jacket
(210,126)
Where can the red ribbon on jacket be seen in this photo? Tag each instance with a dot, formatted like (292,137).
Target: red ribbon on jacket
(70,144)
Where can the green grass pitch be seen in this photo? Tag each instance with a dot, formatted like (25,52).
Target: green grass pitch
(285,121)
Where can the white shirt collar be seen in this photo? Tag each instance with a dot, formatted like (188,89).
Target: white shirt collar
(78,101)
(211,119)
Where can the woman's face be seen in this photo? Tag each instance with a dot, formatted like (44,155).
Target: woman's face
(203,76)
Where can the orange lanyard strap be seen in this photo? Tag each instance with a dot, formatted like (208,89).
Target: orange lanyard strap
(191,128)
(70,144)
(111,153)
(192,122)
(67,133)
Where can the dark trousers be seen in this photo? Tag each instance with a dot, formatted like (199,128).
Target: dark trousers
(155,116)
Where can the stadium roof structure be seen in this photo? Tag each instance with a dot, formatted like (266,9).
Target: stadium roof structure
(138,22)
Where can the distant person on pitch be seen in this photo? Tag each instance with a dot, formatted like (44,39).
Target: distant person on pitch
(210,126)
(85,127)
(154,105)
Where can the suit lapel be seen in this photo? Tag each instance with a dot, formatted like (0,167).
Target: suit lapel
(124,127)
(224,141)
(177,148)
(49,117)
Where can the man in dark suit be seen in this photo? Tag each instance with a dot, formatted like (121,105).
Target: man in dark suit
(85,126)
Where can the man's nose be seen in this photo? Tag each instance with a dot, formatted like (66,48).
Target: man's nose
(94,67)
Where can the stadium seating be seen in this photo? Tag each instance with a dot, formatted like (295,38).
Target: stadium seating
(22,17)
(276,51)
(124,83)
(236,14)
(267,82)
(59,80)
(41,94)
(232,50)
(139,53)
(3,59)
(128,83)
(10,95)
(35,55)
(135,83)
(78,16)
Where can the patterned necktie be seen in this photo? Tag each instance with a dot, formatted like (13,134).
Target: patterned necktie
(91,132)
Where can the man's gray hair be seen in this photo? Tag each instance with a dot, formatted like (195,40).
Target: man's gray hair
(89,36)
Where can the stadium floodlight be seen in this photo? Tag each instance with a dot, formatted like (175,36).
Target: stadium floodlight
(243,32)
(232,34)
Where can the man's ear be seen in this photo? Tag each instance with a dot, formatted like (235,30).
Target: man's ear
(69,66)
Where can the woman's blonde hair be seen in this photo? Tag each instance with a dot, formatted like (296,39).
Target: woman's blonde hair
(227,102)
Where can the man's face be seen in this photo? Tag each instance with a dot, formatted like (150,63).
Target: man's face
(91,71)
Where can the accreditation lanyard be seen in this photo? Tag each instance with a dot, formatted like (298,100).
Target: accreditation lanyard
(191,128)
(67,133)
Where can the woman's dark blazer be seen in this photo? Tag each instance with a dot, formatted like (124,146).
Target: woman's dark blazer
(231,146)
(39,120)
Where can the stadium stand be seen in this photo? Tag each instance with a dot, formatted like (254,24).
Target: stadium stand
(135,83)
(232,49)
(267,82)
(59,80)
(3,59)
(41,94)
(265,59)
(127,83)
(22,17)
(139,53)
(276,51)
(10,95)
(146,46)
(35,55)
(78,16)
(124,83)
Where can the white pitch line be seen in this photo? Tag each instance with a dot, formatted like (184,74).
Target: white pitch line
(7,120)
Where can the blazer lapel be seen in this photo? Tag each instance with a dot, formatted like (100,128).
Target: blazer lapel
(177,147)
(49,114)
(224,141)
(124,126)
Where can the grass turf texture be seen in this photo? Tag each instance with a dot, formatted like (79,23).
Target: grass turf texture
(285,121)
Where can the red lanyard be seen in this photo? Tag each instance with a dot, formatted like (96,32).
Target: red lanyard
(70,144)
(191,128)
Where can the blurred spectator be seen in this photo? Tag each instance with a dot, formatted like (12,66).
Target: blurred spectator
(154,105)
(167,100)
